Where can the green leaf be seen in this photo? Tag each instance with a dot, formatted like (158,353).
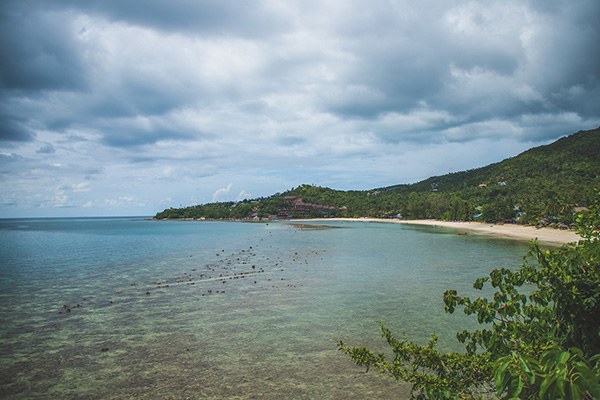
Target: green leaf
(547,384)
(562,357)
(576,351)
(515,386)
(572,392)
(526,370)
(500,378)
(561,379)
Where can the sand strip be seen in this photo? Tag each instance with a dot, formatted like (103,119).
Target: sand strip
(548,236)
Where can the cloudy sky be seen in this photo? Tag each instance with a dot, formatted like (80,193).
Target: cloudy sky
(115,107)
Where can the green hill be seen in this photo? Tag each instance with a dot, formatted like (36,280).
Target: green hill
(545,181)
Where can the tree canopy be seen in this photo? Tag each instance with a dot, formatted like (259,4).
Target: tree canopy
(547,182)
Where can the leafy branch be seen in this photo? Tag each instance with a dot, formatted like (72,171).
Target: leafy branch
(541,345)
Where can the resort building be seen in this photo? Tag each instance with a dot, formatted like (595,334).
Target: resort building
(295,206)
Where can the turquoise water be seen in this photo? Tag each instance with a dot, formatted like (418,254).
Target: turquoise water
(124,308)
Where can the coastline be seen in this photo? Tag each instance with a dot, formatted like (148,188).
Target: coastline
(547,236)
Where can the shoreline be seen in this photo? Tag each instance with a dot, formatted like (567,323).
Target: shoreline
(547,236)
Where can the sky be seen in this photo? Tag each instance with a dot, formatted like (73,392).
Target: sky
(111,107)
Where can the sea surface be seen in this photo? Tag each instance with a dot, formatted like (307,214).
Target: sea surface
(126,308)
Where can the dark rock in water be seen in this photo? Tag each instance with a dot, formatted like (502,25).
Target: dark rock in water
(317,227)
(147,292)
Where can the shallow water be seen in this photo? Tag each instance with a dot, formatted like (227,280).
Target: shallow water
(123,308)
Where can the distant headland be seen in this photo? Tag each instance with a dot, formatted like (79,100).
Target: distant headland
(543,186)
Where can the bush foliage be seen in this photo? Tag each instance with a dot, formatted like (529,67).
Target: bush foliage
(540,345)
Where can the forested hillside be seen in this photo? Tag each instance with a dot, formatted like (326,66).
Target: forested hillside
(548,181)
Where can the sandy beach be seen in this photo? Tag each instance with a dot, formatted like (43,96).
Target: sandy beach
(547,236)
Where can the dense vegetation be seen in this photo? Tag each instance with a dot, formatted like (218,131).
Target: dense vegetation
(544,345)
(546,181)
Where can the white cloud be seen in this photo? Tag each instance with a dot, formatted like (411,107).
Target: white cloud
(243,195)
(221,192)
(168,171)
(81,187)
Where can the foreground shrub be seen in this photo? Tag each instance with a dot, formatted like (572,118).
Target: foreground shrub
(541,345)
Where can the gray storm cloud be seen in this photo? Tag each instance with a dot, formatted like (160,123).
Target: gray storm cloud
(265,95)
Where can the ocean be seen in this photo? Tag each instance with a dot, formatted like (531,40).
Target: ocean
(126,308)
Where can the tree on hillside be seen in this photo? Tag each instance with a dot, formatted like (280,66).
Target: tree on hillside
(544,345)
(564,171)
